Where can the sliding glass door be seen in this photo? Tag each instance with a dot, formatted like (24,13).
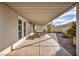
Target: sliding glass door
(19,29)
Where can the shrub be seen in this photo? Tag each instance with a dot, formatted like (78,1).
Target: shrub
(49,27)
(72,31)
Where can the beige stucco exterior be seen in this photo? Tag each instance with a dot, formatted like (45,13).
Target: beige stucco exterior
(9,27)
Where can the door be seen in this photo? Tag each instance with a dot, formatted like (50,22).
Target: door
(19,29)
(24,28)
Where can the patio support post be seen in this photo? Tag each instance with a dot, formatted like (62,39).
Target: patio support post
(77,31)
(51,28)
(33,28)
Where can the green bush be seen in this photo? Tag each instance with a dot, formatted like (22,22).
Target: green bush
(72,31)
(49,27)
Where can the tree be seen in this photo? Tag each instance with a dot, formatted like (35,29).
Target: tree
(72,33)
(49,27)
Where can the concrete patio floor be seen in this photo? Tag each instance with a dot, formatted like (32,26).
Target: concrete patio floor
(46,45)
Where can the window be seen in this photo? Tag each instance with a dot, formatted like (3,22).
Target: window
(24,28)
(19,29)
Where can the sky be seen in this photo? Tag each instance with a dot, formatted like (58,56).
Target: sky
(65,18)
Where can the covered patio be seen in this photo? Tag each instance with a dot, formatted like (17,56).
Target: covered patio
(36,14)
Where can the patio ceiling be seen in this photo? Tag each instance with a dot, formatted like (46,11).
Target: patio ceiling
(40,12)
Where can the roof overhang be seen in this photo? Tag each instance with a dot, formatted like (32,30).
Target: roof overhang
(41,12)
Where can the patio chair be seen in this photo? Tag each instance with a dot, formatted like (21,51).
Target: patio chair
(39,29)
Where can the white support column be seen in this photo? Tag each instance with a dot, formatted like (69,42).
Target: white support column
(51,28)
(77,31)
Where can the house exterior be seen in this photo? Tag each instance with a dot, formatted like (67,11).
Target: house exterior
(9,27)
(17,20)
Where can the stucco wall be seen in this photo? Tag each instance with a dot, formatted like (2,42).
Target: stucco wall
(0,28)
(9,27)
(29,28)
